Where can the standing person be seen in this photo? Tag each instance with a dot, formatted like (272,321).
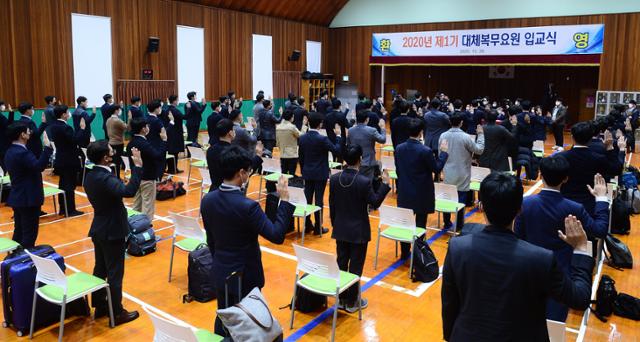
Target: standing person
(144,200)
(27,195)
(105,112)
(400,125)
(499,143)
(378,107)
(436,123)
(115,132)
(236,103)
(287,141)
(633,115)
(267,122)
(245,139)
(333,118)
(300,114)
(225,107)
(225,134)
(323,104)
(81,112)
(109,228)
(134,110)
(540,123)
(416,165)
(366,137)
(313,152)
(51,102)
(4,125)
(175,133)
(67,161)
(34,144)
(193,115)
(525,125)
(457,170)
(558,120)
(212,122)
(350,194)
(233,223)
(157,135)
(489,277)
(258,107)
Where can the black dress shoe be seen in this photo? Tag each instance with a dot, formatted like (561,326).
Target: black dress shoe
(324,231)
(126,316)
(101,312)
(42,213)
(76,213)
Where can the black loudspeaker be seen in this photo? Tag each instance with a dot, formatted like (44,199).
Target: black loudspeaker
(295,55)
(153,45)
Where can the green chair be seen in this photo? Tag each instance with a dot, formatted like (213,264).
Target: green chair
(401,227)
(53,192)
(389,164)
(4,180)
(169,331)
(322,276)
(188,228)
(273,168)
(478,174)
(538,148)
(7,245)
(447,201)
(299,200)
(60,289)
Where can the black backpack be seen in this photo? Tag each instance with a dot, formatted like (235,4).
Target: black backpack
(201,286)
(307,301)
(620,216)
(425,264)
(627,306)
(619,254)
(605,296)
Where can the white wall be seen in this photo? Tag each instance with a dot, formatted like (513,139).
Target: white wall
(92,69)
(190,52)
(262,65)
(384,12)
(314,56)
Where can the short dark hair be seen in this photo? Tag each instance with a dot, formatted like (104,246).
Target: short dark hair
(172,98)
(324,93)
(633,102)
(582,132)
(435,103)
(457,103)
(233,159)
(362,116)
(191,95)
(559,99)
(416,126)
(259,97)
(153,105)
(287,115)
(24,107)
(301,100)
(491,116)
(223,98)
(81,99)
(107,97)
(230,93)
(335,103)
(135,99)
(137,125)
(58,111)
(223,127)
(266,103)
(97,150)
(49,98)
(234,114)
(554,169)
(526,105)
(291,96)
(352,154)
(15,129)
(361,96)
(514,110)
(113,109)
(456,118)
(501,197)
(315,120)
(417,94)
(215,104)
(404,106)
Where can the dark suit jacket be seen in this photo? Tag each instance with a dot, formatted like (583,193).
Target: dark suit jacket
(152,156)
(323,106)
(193,115)
(525,130)
(233,223)
(155,127)
(175,133)
(213,162)
(49,115)
(82,113)
(349,199)
(539,126)
(136,112)
(105,192)
(499,144)
(585,163)
(495,286)
(313,153)
(475,120)
(374,120)
(104,111)
(267,122)
(67,141)
(298,114)
(34,144)
(330,121)
(415,166)
(436,123)
(212,121)
(561,115)
(400,130)
(4,140)
(26,176)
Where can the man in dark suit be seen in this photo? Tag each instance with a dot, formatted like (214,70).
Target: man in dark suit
(267,122)
(585,164)
(110,228)
(157,135)
(544,212)
(81,112)
(558,120)
(51,102)
(495,286)
(4,125)
(193,115)
(34,144)
(175,133)
(224,134)
(336,116)
(525,125)
(233,223)
(212,122)
(299,112)
(415,166)
(134,109)
(68,161)
(323,105)
(104,110)
(436,123)
(477,114)
(313,153)
(400,126)
(499,143)
(26,196)
(350,194)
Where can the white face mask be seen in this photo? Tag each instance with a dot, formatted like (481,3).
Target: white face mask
(557,103)
(630,105)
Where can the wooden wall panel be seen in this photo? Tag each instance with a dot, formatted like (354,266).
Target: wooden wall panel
(350,48)
(36,56)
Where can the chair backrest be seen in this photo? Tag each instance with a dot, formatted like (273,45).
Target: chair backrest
(319,264)
(397,217)
(479,173)
(168,331)
(1,172)
(296,196)
(206,177)
(197,153)
(271,165)
(446,192)
(48,271)
(187,226)
(388,162)
(557,331)
(125,161)
(538,145)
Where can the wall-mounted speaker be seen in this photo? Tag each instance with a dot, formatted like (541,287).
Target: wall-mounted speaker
(153,45)
(295,55)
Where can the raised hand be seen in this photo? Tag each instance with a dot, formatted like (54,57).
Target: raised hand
(337,130)
(137,157)
(44,118)
(45,139)
(599,186)
(381,123)
(282,187)
(444,145)
(513,119)
(163,134)
(573,234)
(479,130)
(622,143)
(608,140)
(93,110)
(259,149)
(386,179)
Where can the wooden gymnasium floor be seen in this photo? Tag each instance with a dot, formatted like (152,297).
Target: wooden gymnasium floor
(399,310)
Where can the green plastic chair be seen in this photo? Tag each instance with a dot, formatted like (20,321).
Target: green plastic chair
(273,168)
(322,276)
(169,331)
(50,191)
(447,201)
(60,289)
(299,200)
(7,245)
(401,227)
(198,159)
(193,236)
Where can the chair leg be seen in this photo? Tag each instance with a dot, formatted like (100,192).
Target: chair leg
(303,229)
(112,322)
(189,173)
(33,311)
(396,244)
(335,317)
(375,260)
(293,302)
(171,259)
(66,207)
(413,245)
(260,188)
(55,206)
(359,300)
(321,218)
(62,312)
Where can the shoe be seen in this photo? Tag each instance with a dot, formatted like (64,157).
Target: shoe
(555,147)
(324,231)
(42,213)
(560,149)
(126,316)
(404,256)
(100,312)
(447,226)
(76,213)
(354,308)
(179,171)
(309,229)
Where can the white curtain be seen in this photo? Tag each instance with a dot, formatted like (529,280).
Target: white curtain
(314,56)
(190,52)
(262,65)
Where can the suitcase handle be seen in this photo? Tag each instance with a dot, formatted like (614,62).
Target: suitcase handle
(226,286)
